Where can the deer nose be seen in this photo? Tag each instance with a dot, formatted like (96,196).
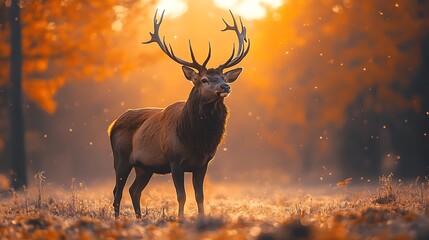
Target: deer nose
(225,87)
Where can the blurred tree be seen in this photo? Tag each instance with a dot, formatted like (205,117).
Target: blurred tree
(340,71)
(3,96)
(16,144)
(61,41)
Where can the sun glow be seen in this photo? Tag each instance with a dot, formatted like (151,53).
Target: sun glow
(173,8)
(249,9)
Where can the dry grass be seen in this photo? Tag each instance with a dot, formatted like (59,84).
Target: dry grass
(393,210)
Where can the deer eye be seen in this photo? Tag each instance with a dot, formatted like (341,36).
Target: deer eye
(204,80)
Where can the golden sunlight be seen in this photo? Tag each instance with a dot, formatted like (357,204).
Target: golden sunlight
(249,9)
(324,133)
(173,8)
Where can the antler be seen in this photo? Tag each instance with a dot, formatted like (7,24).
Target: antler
(169,50)
(241,53)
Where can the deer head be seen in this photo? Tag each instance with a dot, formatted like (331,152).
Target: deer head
(211,83)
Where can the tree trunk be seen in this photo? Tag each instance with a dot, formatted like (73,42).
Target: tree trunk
(16,145)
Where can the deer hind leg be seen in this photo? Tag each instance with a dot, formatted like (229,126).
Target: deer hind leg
(178,178)
(122,170)
(141,181)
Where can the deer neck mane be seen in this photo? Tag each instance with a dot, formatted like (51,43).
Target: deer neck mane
(202,124)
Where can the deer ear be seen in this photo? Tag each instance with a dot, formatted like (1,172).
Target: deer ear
(232,75)
(190,74)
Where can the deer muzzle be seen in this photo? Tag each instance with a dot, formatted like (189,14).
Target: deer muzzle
(225,90)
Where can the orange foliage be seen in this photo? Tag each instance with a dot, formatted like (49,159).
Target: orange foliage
(67,41)
(4,183)
(344,52)
(42,92)
(344,183)
(316,58)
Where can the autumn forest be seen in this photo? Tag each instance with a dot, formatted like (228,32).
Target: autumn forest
(334,95)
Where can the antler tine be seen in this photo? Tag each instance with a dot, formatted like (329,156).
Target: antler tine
(208,56)
(155,36)
(234,28)
(160,19)
(232,54)
(229,27)
(245,52)
(164,47)
(243,30)
(241,35)
(169,50)
(192,52)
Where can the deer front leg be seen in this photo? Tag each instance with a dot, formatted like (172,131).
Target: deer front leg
(198,182)
(178,178)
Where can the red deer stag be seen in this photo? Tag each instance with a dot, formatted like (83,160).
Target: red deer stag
(182,137)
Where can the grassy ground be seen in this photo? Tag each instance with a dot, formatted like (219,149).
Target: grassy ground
(391,210)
